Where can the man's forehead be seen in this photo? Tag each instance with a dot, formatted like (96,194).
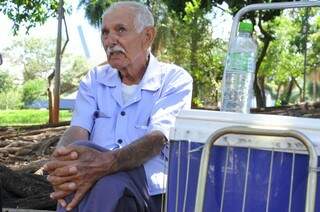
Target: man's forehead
(120,15)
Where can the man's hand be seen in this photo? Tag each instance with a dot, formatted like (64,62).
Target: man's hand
(76,169)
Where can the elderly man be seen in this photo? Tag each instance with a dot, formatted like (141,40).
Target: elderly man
(114,155)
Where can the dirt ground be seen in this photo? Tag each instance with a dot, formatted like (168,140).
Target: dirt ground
(25,149)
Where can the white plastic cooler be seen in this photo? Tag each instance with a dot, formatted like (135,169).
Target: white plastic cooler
(246,172)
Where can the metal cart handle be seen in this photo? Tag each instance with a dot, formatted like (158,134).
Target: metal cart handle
(266,6)
(240,130)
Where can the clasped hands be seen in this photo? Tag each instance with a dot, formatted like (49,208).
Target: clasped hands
(75,169)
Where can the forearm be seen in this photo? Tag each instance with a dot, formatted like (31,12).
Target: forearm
(138,152)
(73,134)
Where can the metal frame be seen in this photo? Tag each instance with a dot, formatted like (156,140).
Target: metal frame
(266,6)
(240,130)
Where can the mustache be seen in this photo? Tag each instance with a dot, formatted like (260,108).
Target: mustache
(113,49)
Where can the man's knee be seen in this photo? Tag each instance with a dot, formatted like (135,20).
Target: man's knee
(111,185)
(103,196)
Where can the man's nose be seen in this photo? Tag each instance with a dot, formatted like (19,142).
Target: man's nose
(110,40)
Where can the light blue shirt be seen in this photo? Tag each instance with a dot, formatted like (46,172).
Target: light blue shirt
(164,90)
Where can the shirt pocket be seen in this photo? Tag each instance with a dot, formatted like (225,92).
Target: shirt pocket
(103,129)
(141,129)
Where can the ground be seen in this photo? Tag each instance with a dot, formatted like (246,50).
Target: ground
(23,151)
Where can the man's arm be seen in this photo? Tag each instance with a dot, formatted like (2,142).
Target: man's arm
(138,152)
(73,134)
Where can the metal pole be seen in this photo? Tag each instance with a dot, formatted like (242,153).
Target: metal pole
(56,86)
(305,48)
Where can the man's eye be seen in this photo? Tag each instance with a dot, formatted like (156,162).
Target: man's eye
(104,33)
(121,29)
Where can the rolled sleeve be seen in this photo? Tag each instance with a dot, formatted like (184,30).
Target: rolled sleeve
(175,96)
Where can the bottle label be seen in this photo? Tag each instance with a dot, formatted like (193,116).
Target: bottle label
(241,62)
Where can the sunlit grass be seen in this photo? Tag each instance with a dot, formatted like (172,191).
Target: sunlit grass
(29,117)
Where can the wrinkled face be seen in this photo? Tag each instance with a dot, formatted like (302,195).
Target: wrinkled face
(123,44)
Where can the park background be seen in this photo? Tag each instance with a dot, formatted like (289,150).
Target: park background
(193,34)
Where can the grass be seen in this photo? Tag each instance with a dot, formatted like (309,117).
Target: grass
(29,117)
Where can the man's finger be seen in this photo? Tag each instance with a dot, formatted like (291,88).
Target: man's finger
(56,180)
(69,186)
(62,202)
(65,171)
(60,151)
(54,164)
(59,194)
(76,198)
(71,156)
(63,152)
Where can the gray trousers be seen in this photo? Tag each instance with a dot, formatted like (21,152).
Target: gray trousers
(121,192)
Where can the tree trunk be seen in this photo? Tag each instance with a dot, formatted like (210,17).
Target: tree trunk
(193,59)
(50,94)
(278,92)
(300,89)
(289,92)
(259,80)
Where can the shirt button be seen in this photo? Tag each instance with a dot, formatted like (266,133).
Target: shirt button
(123,113)
(120,141)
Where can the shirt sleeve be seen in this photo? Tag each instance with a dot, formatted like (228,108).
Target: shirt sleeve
(175,95)
(85,104)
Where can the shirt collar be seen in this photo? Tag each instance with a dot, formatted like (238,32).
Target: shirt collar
(151,79)
(108,76)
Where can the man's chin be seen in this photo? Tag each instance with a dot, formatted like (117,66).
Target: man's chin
(116,65)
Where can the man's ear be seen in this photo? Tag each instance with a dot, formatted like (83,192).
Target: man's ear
(149,33)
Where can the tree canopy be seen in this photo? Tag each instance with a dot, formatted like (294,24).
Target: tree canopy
(28,13)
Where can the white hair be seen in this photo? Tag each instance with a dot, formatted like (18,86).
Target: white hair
(143,17)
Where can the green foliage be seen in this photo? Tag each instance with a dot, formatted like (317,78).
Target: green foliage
(189,43)
(10,95)
(33,90)
(6,81)
(182,7)
(35,55)
(11,99)
(29,117)
(28,13)
(36,58)
(314,37)
(313,90)
(94,10)
(284,62)
(264,16)
(74,68)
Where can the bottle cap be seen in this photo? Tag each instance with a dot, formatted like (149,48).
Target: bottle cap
(245,27)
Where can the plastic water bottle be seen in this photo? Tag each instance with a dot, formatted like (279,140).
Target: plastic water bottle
(238,78)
